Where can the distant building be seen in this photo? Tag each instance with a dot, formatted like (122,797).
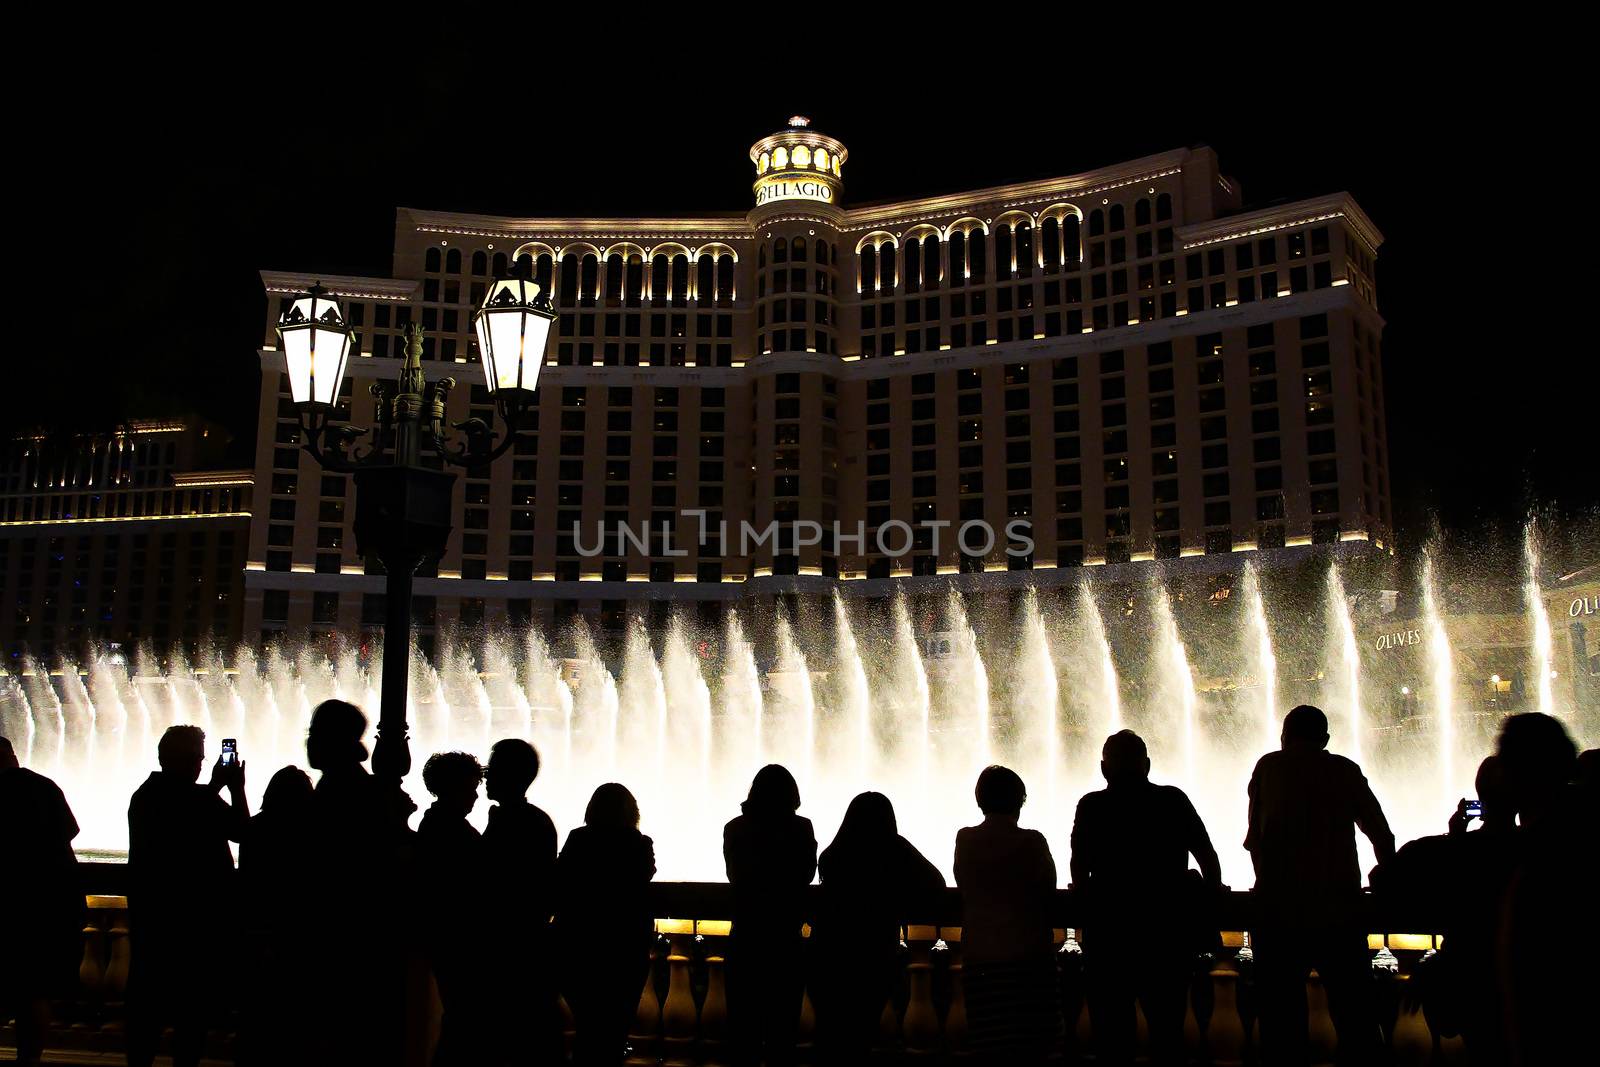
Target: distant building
(1114,367)
(128,537)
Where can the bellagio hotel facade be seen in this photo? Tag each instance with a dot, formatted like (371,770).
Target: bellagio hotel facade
(1108,369)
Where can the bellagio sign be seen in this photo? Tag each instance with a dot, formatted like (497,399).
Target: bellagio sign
(793,187)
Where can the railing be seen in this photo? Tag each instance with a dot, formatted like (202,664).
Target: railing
(682,1012)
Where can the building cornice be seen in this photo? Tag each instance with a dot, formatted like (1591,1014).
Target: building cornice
(347,286)
(1020,194)
(1282,217)
(705,228)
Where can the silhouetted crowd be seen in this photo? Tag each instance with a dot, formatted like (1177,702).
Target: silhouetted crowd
(347,911)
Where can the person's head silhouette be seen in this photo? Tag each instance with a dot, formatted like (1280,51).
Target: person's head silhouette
(868,822)
(513,765)
(1539,760)
(1000,792)
(612,807)
(1305,729)
(773,791)
(1124,760)
(452,778)
(8,755)
(333,742)
(288,791)
(1493,795)
(182,752)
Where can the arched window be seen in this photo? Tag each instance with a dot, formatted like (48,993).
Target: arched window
(761,258)
(958,259)
(499,264)
(680,280)
(930,262)
(1097,223)
(1024,241)
(822,251)
(977,256)
(1071,240)
(525,263)
(1141,212)
(780,251)
(589,282)
(1050,245)
(886,266)
(431,261)
(1004,251)
(660,279)
(544,269)
(480,263)
(869,270)
(1164,207)
(614,279)
(797,249)
(705,279)
(913,265)
(724,279)
(1119,219)
(635,283)
(452,262)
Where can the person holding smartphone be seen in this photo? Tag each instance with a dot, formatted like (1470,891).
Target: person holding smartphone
(180,892)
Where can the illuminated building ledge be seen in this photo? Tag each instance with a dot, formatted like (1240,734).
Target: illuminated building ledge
(127,518)
(345,286)
(210,479)
(1043,575)
(1282,217)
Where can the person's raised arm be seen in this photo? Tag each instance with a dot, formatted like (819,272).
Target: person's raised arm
(1082,863)
(1252,837)
(1370,818)
(1198,842)
(231,777)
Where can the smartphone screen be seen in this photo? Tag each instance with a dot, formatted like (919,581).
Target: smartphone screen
(1474,809)
(230,751)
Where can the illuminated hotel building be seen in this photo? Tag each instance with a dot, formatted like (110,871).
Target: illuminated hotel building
(1124,359)
(130,537)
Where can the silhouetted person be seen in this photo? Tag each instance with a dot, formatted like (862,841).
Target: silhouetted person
(1008,879)
(273,873)
(1547,942)
(41,901)
(1459,879)
(450,873)
(771,854)
(872,880)
(1305,806)
(603,923)
(361,943)
(520,852)
(1131,844)
(181,895)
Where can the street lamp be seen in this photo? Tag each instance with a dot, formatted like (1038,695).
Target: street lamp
(403,507)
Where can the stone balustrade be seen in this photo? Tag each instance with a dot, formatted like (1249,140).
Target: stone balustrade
(682,1013)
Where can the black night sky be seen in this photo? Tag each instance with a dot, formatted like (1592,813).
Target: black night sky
(184,179)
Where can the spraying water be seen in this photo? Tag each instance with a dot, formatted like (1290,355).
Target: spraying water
(1441,669)
(1263,662)
(1543,640)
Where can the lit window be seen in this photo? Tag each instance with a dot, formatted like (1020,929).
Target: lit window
(802,156)
(821,159)
(763,163)
(780,158)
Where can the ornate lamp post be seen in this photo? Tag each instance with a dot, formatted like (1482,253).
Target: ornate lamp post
(403,507)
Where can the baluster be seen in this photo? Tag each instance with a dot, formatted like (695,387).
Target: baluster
(955,1021)
(1400,1008)
(1249,1008)
(678,1014)
(714,1013)
(1202,1005)
(569,1028)
(646,1030)
(921,1023)
(1320,1034)
(1224,1038)
(115,986)
(92,968)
